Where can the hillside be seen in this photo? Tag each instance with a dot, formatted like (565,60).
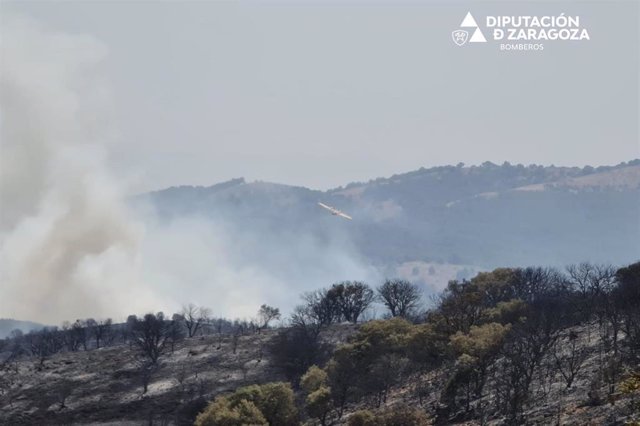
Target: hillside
(8,325)
(514,346)
(105,387)
(435,224)
(102,386)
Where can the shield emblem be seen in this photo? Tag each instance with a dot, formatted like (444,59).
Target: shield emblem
(460,37)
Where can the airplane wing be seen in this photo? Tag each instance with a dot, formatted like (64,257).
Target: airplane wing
(335,211)
(331,209)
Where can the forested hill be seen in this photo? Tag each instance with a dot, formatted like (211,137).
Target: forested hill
(8,325)
(456,217)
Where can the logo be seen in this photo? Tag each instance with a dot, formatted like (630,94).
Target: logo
(521,32)
(460,36)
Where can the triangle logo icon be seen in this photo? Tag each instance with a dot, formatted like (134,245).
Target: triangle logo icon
(468,21)
(477,37)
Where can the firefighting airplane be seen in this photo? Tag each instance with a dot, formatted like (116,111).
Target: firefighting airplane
(335,212)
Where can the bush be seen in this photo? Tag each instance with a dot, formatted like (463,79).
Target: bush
(319,404)
(319,401)
(222,413)
(404,416)
(362,418)
(313,379)
(393,416)
(268,404)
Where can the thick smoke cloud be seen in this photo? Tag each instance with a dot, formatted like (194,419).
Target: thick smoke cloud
(70,247)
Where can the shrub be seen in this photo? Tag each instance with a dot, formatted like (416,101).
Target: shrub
(313,379)
(362,418)
(404,416)
(222,413)
(268,404)
(319,401)
(393,416)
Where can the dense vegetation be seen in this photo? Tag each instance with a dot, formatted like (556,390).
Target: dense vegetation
(487,349)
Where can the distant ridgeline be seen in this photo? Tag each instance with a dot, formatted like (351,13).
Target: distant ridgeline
(486,216)
(8,325)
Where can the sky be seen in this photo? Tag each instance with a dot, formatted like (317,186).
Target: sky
(320,94)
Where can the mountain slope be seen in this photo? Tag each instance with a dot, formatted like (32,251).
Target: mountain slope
(478,216)
(105,387)
(8,325)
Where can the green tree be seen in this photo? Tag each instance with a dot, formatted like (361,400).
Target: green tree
(631,387)
(268,404)
(222,413)
(393,416)
(476,351)
(363,418)
(427,346)
(374,361)
(318,402)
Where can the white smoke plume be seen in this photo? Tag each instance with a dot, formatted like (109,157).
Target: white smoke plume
(69,245)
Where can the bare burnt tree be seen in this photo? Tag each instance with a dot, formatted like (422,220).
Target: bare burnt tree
(400,297)
(74,335)
(42,344)
(602,284)
(14,348)
(353,298)
(57,340)
(103,332)
(611,372)
(99,330)
(511,386)
(266,314)
(63,390)
(323,306)
(194,318)
(524,351)
(175,331)
(627,299)
(569,357)
(613,323)
(79,331)
(529,284)
(234,341)
(241,326)
(127,331)
(69,337)
(298,347)
(591,283)
(151,335)
(146,370)
(10,385)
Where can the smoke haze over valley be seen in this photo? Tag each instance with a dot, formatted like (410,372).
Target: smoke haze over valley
(75,242)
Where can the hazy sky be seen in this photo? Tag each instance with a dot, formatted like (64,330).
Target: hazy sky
(321,94)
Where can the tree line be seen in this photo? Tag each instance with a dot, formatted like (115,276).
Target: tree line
(488,340)
(486,347)
(152,334)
